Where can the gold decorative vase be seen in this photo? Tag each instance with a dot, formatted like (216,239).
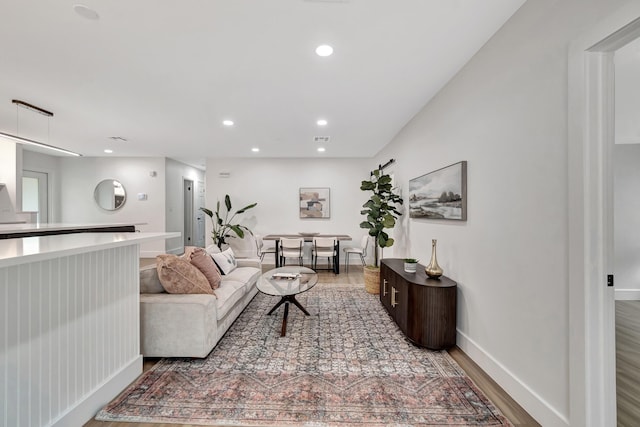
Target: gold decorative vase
(433,270)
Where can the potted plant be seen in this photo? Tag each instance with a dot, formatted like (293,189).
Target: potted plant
(410,265)
(381,213)
(222,224)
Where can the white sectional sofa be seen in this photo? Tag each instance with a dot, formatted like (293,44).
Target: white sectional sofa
(190,325)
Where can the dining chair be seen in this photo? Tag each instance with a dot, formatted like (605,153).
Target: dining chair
(291,248)
(325,247)
(361,250)
(263,250)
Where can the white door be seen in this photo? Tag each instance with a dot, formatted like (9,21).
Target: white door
(35,194)
(200,217)
(188,212)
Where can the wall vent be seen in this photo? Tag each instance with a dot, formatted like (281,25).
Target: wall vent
(321,139)
(224,174)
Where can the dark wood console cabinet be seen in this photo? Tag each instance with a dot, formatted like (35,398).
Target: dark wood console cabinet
(423,308)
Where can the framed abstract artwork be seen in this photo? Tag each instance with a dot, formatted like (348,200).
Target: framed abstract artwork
(441,194)
(315,202)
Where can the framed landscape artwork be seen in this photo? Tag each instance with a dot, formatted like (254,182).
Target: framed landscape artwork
(315,202)
(441,194)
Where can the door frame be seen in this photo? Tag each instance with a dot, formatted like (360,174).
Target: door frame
(590,217)
(47,192)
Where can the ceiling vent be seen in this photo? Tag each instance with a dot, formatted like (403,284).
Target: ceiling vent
(224,174)
(321,139)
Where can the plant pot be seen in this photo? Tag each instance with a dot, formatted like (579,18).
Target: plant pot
(410,267)
(372,279)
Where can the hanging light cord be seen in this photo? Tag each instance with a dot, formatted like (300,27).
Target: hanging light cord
(22,140)
(32,107)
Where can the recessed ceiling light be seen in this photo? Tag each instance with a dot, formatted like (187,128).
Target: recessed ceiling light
(321,149)
(324,50)
(322,122)
(227,122)
(86,12)
(255,149)
(108,151)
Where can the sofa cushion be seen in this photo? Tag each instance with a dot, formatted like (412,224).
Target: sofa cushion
(246,275)
(229,293)
(149,281)
(179,276)
(177,325)
(225,260)
(203,262)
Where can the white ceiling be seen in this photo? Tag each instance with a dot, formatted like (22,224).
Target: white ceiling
(164,73)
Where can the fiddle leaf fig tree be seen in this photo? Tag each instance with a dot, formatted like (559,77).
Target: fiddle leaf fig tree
(381,209)
(222,224)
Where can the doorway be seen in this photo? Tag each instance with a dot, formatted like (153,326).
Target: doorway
(626,157)
(35,194)
(187,185)
(591,237)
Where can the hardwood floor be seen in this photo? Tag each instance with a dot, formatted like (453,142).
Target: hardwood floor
(509,407)
(628,362)
(516,415)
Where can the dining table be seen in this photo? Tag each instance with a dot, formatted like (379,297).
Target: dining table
(307,237)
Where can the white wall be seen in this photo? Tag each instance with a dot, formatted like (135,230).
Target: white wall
(8,177)
(627,172)
(627,220)
(274,184)
(506,113)
(176,172)
(79,176)
(70,177)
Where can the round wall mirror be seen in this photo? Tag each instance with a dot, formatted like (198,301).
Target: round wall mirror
(110,194)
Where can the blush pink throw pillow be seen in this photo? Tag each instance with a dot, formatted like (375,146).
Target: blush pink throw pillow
(202,260)
(178,276)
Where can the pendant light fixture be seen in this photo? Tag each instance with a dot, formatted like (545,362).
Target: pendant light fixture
(26,141)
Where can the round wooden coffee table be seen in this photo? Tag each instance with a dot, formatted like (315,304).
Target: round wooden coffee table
(286,283)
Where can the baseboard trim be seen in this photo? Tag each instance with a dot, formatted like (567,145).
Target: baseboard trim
(530,401)
(89,405)
(627,294)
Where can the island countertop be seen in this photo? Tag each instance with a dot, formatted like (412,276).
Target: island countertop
(40,248)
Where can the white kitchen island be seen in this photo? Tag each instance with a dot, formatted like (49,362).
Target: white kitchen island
(70,324)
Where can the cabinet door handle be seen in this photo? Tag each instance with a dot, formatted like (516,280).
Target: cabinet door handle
(384,287)
(394,301)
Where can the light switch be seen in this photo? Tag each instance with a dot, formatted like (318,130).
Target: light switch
(142,196)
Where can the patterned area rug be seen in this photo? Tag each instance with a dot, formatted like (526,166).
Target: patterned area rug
(345,365)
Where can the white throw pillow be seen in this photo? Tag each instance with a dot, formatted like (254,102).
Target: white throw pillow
(225,260)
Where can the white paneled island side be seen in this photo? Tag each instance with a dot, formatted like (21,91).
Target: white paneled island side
(69,329)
